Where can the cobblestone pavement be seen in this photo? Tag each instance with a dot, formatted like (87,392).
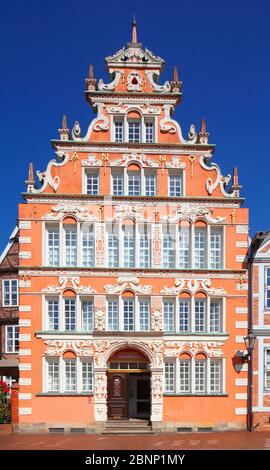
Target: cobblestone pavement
(222,440)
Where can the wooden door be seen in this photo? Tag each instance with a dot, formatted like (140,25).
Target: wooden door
(117,396)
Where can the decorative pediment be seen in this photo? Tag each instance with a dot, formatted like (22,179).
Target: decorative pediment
(193,213)
(91,161)
(72,282)
(122,213)
(210,348)
(132,283)
(79,347)
(64,209)
(134,55)
(193,286)
(137,158)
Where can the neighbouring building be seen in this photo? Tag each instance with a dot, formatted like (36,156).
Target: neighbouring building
(260,326)
(9,310)
(133,274)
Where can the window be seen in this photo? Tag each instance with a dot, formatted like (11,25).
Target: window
(117,183)
(87,376)
(113,315)
(200,248)
(175,184)
(92,183)
(70,314)
(169,377)
(113,248)
(134,131)
(129,246)
(53,315)
(12,339)
(70,375)
(118,131)
(267,288)
(10,293)
(134,183)
(129,315)
(216,376)
(88,246)
(169,316)
(184,315)
(150,184)
(200,316)
(71,245)
(168,249)
(267,369)
(145,242)
(184,247)
(216,317)
(149,132)
(87,315)
(216,248)
(144,315)
(185,375)
(200,376)
(53,246)
(53,379)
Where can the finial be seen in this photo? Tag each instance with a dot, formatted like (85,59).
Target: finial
(30,182)
(134,31)
(235,182)
(90,81)
(64,131)
(176,84)
(91,72)
(235,176)
(175,74)
(64,122)
(203,134)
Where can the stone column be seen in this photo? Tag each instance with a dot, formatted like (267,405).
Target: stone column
(100,394)
(157,395)
(156,313)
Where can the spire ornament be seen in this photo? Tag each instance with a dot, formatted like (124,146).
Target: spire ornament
(176,84)
(64,131)
(91,82)
(235,182)
(30,182)
(203,134)
(134,31)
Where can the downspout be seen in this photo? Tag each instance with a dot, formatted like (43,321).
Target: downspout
(250,330)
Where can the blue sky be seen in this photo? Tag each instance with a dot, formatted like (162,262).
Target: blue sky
(222,52)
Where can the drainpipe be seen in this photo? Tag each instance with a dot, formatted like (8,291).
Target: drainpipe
(250,353)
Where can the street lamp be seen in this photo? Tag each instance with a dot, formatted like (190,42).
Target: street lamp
(250,340)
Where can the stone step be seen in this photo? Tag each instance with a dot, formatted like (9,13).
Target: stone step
(131,426)
(127,424)
(134,430)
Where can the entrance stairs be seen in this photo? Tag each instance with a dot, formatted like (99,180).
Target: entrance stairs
(128,426)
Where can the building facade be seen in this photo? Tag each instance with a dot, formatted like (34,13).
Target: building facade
(9,310)
(260,326)
(133,280)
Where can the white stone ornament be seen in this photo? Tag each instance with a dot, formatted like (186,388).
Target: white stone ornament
(58,347)
(193,286)
(128,283)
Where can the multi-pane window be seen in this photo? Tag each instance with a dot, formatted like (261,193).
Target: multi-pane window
(92,183)
(184,247)
(169,377)
(129,315)
(134,183)
(70,375)
(88,246)
(113,315)
(113,249)
(175,184)
(11,339)
(118,131)
(200,376)
(87,315)
(53,246)
(129,246)
(145,242)
(87,376)
(216,248)
(267,288)
(53,379)
(53,314)
(185,375)
(216,376)
(10,292)
(216,316)
(134,131)
(71,245)
(184,315)
(149,132)
(267,369)
(70,314)
(169,315)
(168,250)
(144,315)
(200,248)
(200,316)
(118,183)
(150,184)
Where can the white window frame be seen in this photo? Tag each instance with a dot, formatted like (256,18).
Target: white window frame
(93,171)
(266,369)
(79,361)
(266,287)
(15,332)
(174,173)
(9,304)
